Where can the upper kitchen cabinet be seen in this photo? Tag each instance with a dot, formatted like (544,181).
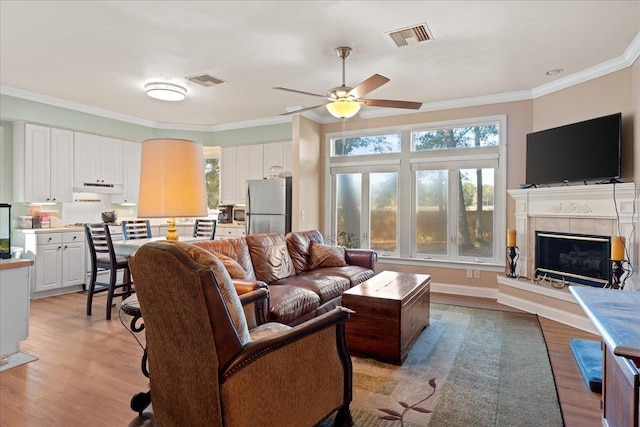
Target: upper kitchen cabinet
(277,154)
(43,164)
(228,167)
(97,162)
(132,158)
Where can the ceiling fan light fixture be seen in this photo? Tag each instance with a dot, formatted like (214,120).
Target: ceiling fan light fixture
(165,91)
(343,108)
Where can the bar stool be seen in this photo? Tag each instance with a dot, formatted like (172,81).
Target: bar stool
(136,229)
(103,257)
(205,228)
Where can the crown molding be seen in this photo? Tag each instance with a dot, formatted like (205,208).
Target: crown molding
(629,56)
(75,106)
(627,59)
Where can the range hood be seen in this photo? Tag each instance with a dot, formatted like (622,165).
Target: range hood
(92,187)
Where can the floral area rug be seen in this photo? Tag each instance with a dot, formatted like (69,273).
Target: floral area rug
(470,367)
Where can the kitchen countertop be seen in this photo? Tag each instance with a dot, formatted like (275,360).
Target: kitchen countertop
(6,264)
(615,314)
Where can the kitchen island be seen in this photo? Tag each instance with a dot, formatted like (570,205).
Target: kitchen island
(14,304)
(616,315)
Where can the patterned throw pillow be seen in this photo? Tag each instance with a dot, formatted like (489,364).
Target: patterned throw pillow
(234,269)
(326,256)
(228,291)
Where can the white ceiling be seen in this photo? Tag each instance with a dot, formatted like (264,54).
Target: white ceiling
(97,55)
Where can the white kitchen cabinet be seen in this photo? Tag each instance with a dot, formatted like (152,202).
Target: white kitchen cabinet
(278,154)
(241,163)
(228,175)
(47,261)
(256,161)
(43,164)
(131,162)
(14,305)
(242,173)
(273,156)
(59,260)
(97,160)
(73,259)
(229,232)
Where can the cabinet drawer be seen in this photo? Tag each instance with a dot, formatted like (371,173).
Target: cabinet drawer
(49,238)
(76,236)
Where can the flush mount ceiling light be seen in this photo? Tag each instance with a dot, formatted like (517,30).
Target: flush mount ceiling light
(343,108)
(165,91)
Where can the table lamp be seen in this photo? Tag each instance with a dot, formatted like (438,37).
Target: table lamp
(172,181)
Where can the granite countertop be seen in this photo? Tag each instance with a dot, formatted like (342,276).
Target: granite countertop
(615,314)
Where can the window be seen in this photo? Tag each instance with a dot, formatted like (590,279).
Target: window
(366,145)
(212,180)
(425,192)
(370,221)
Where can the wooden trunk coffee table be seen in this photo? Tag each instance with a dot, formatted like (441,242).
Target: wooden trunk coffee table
(391,309)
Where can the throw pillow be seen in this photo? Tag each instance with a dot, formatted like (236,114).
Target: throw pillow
(326,256)
(234,269)
(228,291)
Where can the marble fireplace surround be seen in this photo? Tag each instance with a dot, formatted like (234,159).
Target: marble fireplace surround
(580,209)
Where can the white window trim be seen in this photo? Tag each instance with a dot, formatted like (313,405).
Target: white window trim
(406,190)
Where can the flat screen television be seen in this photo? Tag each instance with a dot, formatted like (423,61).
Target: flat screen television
(583,151)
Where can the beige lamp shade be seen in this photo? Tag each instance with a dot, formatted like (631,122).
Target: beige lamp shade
(172,182)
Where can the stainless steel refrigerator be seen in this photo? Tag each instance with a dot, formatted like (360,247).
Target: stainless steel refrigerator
(269,206)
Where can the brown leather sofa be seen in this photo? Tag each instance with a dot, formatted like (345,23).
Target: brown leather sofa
(300,286)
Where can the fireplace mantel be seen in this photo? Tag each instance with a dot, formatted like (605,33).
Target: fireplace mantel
(606,209)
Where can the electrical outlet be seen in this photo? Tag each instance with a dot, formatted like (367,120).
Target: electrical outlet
(469,274)
(476,274)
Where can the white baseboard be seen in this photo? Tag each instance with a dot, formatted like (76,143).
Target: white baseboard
(571,319)
(567,318)
(469,291)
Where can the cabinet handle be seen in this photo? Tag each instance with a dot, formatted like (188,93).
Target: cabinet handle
(59,247)
(75,237)
(65,247)
(49,239)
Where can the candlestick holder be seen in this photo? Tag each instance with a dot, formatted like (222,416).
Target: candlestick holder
(617,271)
(512,256)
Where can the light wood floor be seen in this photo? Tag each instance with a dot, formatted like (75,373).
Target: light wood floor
(88,368)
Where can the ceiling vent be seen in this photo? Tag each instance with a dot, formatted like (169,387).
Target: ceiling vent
(411,35)
(205,80)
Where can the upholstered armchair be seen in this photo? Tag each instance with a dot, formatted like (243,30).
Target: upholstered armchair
(208,368)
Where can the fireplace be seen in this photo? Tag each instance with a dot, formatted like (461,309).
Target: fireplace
(575,258)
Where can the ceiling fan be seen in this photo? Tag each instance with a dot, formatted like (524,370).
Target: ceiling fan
(344,102)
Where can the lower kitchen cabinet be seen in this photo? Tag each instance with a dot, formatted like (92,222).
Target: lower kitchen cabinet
(229,232)
(59,260)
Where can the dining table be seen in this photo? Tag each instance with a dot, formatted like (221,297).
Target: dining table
(129,247)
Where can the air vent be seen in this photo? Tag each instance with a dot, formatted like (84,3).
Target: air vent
(411,35)
(205,80)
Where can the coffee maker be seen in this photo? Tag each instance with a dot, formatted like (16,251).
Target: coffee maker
(225,214)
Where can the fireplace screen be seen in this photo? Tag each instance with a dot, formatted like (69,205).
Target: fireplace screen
(576,258)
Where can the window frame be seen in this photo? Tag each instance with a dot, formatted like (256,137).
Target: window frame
(407,161)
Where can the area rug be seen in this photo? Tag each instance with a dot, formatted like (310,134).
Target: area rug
(470,367)
(14,360)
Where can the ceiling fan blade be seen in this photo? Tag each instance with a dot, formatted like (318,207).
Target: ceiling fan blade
(372,83)
(391,104)
(300,91)
(302,109)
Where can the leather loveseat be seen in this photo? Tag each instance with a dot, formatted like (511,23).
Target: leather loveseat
(305,277)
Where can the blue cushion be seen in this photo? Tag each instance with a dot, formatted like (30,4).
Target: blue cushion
(588,354)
